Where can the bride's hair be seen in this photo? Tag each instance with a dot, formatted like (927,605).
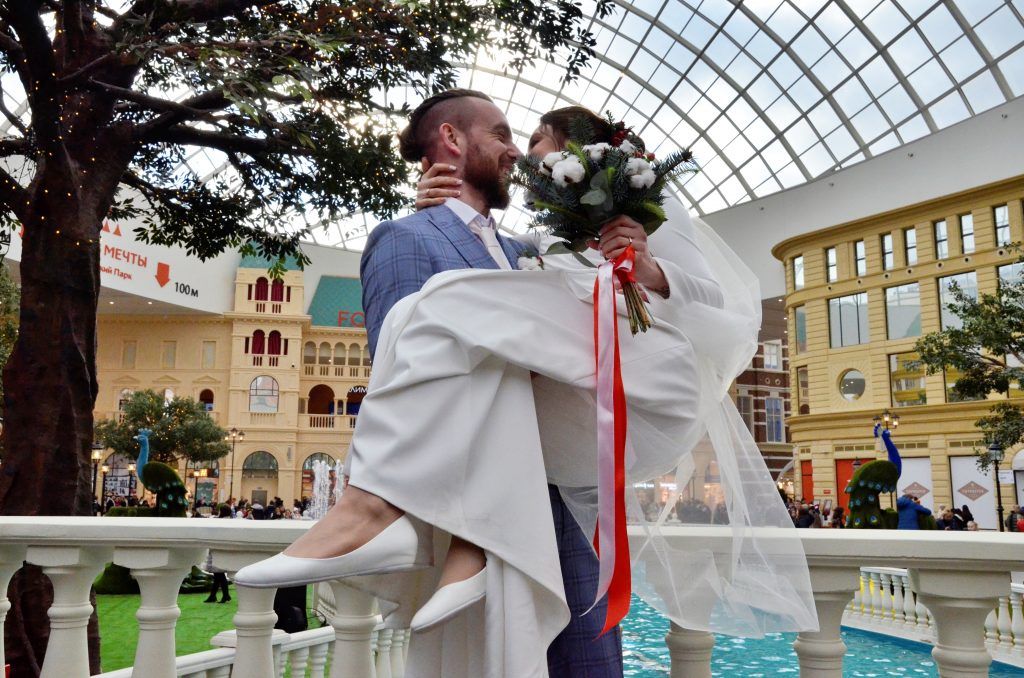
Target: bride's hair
(560,120)
(427,116)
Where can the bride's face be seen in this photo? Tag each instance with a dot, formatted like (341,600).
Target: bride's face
(542,142)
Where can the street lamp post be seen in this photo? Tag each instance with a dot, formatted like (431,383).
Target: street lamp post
(889,421)
(97,453)
(234,436)
(103,491)
(995,453)
(131,480)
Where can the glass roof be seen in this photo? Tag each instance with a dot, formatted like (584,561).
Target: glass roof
(769,94)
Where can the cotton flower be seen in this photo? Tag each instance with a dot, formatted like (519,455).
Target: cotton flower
(643,180)
(637,166)
(568,171)
(596,151)
(550,160)
(627,148)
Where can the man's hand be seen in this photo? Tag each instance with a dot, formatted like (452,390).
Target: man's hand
(620,233)
(436,184)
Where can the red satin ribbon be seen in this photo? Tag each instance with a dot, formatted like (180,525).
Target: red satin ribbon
(620,585)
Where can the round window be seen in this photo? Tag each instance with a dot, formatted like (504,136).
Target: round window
(851,384)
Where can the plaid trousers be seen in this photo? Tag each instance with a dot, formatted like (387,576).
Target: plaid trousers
(577,652)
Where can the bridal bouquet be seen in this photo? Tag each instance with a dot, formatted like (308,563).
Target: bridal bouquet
(575,191)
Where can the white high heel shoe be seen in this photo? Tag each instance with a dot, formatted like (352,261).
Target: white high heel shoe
(449,600)
(401,546)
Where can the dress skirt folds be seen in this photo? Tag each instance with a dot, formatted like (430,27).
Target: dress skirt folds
(482,394)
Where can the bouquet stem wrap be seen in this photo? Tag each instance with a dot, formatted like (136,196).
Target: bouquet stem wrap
(611,542)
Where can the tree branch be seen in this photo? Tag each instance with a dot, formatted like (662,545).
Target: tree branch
(14,146)
(13,119)
(229,143)
(13,196)
(38,78)
(211,100)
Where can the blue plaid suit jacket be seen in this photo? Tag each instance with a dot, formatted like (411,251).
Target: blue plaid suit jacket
(401,255)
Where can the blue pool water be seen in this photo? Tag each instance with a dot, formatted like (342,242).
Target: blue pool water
(868,654)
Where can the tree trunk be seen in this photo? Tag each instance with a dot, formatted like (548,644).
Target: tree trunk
(50,390)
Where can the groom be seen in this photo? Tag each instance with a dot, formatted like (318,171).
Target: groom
(463,128)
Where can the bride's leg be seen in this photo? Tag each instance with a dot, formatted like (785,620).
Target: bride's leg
(462,562)
(357,518)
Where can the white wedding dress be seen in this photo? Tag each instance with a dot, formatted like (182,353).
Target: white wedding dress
(455,431)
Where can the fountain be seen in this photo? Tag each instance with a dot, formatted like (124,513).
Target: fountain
(326,488)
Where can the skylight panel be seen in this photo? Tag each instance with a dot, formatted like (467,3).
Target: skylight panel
(783,112)
(791,175)
(680,57)
(870,122)
(738,150)
(831,70)
(982,93)
(897,104)
(643,65)
(817,159)
(977,10)
(1000,32)
(915,128)
(762,9)
(722,132)
(764,91)
(785,71)
(665,79)
(909,52)
(804,93)
(886,21)
(856,48)
(722,93)
(697,184)
(634,26)
(940,28)
(962,59)
(877,76)
(852,96)
(741,28)
(652,7)
(717,11)
(834,23)
(949,110)
(742,70)
(703,113)
(658,42)
(914,8)
(801,136)
(686,95)
(810,46)
(1012,68)
(888,142)
(741,113)
(767,188)
(722,49)
(930,81)
(621,50)
(698,31)
(786,22)
(763,48)
(841,143)
(712,202)
(732,190)
(755,172)
(758,133)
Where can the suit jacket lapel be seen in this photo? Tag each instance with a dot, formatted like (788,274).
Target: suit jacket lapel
(469,247)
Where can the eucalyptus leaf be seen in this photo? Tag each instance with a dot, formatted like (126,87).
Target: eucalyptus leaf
(594,197)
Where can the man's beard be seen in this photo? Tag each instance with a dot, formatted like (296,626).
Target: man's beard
(487,178)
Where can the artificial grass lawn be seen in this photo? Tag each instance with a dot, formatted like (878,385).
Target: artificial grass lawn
(199,622)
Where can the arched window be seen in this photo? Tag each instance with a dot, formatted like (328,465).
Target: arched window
(261,289)
(274,343)
(321,400)
(277,290)
(339,354)
(354,399)
(366,357)
(263,394)
(353,354)
(309,353)
(325,353)
(258,341)
(206,398)
(123,398)
(259,465)
(315,457)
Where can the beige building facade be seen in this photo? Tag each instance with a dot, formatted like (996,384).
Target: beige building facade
(859,295)
(273,368)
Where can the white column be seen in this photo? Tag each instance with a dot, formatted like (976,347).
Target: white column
(318,660)
(959,601)
(353,625)
(159,572)
(72,570)
(884,582)
(821,652)
(12,557)
(897,599)
(909,604)
(254,628)
(865,594)
(923,616)
(383,659)
(991,626)
(690,652)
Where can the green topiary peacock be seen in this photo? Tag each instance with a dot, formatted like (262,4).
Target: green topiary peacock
(161,480)
(868,483)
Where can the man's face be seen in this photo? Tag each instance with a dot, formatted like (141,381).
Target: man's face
(491,154)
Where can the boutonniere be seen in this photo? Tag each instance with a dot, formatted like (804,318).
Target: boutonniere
(530,260)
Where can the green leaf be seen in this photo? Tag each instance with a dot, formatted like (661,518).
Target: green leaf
(594,197)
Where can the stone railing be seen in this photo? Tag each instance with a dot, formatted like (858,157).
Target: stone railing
(958,578)
(327,421)
(886,603)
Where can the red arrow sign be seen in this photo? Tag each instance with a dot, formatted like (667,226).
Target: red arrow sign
(163,274)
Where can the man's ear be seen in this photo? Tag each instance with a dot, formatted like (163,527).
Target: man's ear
(450,139)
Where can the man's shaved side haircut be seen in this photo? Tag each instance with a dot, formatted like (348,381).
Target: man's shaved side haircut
(417,139)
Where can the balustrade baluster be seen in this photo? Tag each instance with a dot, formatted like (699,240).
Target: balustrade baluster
(318,660)
(923,616)
(876,596)
(1017,623)
(383,660)
(353,625)
(960,600)
(399,646)
(298,659)
(821,652)
(254,630)
(12,558)
(909,603)
(690,652)
(856,604)
(884,582)
(71,570)
(1003,626)
(991,626)
(897,599)
(159,572)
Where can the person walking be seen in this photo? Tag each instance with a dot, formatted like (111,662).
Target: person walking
(910,511)
(220,578)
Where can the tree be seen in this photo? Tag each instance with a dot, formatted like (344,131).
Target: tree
(10,299)
(289,96)
(988,351)
(181,429)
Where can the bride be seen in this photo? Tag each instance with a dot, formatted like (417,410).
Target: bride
(450,441)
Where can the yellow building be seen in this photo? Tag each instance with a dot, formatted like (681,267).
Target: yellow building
(287,374)
(859,295)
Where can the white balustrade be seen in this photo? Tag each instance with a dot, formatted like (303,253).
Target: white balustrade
(953,582)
